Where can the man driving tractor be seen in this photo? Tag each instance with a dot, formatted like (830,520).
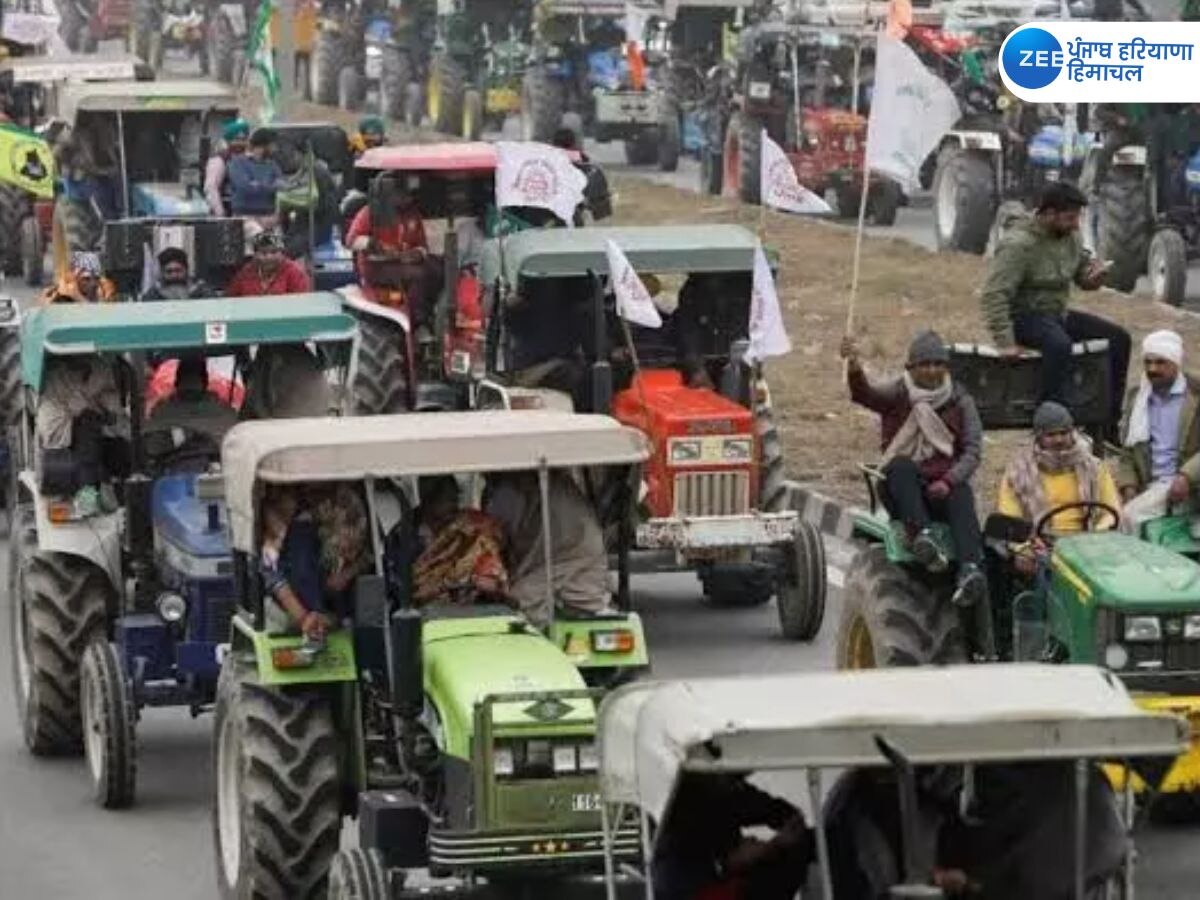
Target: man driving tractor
(269,272)
(174,279)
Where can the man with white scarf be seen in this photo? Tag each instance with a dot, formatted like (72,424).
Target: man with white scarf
(932,438)
(1159,465)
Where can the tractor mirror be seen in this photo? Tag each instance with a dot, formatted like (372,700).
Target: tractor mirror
(1007,528)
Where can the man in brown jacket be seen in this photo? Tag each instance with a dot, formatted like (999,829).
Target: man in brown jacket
(1159,463)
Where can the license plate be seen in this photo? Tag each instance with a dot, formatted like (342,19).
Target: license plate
(760,90)
(585,803)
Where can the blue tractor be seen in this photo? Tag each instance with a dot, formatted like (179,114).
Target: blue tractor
(126,603)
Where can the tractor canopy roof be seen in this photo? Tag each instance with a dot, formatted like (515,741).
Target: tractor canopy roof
(85,67)
(651,734)
(151,96)
(469,157)
(1121,570)
(415,444)
(563,252)
(214,326)
(329,141)
(614,9)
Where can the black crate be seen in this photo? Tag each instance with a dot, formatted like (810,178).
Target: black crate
(220,243)
(1006,390)
(393,823)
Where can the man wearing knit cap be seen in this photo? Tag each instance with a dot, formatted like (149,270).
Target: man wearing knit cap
(1160,435)
(931,438)
(1057,469)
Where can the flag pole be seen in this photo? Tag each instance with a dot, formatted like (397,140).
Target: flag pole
(863,192)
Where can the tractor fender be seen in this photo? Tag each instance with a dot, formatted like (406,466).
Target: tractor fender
(353,297)
(235,14)
(97,539)
(980,141)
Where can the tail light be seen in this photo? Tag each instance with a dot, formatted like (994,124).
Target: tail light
(619,640)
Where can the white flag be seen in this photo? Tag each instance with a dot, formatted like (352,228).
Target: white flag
(767,334)
(633,300)
(636,20)
(911,108)
(538,175)
(778,185)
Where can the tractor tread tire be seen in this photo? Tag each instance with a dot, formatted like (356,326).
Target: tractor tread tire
(15,207)
(1124,227)
(33,252)
(641,150)
(66,607)
(116,785)
(396,72)
(908,624)
(973,180)
(329,58)
(772,479)
(542,102)
(381,383)
(358,875)
(749,137)
(1170,245)
(289,787)
(801,606)
(451,79)
(11,405)
(670,138)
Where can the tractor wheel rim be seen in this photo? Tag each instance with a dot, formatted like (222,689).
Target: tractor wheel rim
(860,651)
(93,725)
(1158,272)
(947,207)
(229,822)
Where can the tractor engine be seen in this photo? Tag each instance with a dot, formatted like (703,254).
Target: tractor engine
(704,461)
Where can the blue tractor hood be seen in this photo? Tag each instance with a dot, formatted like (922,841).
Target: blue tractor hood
(181,519)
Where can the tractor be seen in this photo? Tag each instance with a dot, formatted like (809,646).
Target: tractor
(460,736)
(150,143)
(789,83)
(475,80)
(401,367)
(119,609)
(1128,604)
(715,498)
(216,248)
(583,76)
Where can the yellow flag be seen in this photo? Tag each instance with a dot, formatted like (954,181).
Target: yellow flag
(26,162)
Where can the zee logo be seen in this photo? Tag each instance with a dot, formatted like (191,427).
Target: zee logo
(1032,58)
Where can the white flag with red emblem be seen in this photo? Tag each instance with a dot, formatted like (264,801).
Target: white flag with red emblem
(778,185)
(633,300)
(539,176)
(767,334)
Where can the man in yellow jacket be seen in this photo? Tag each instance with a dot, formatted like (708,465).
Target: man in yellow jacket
(1057,469)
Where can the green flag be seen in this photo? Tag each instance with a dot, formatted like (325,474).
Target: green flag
(262,58)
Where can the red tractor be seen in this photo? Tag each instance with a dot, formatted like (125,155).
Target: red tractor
(713,498)
(431,367)
(795,82)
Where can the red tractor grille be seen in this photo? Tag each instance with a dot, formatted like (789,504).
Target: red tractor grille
(712,494)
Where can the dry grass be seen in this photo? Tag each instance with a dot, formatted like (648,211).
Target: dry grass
(903,289)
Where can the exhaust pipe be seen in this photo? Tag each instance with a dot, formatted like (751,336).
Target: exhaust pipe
(405,664)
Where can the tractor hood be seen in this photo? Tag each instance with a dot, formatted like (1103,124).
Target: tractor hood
(181,520)
(468,659)
(1122,571)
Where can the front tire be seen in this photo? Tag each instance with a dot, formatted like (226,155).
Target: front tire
(964,202)
(109,716)
(381,383)
(670,136)
(276,814)
(1168,264)
(800,597)
(1122,227)
(542,101)
(890,619)
(329,58)
(444,101)
(396,72)
(742,153)
(358,875)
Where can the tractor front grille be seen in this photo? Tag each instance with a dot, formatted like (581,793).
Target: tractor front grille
(712,494)
(217,622)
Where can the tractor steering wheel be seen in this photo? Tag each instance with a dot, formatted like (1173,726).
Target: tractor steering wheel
(1089,522)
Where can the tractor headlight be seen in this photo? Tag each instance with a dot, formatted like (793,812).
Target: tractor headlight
(502,761)
(171,607)
(686,451)
(1143,628)
(565,759)
(1191,628)
(738,450)
(589,759)
(1116,657)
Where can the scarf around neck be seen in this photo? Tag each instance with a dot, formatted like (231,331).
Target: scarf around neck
(1139,412)
(924,434)
(1031,463)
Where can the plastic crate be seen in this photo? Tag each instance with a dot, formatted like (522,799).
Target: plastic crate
(1007,390)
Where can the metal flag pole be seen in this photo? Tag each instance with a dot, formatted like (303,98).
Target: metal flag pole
(862,206)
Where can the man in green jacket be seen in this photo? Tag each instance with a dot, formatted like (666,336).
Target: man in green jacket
(1027,288)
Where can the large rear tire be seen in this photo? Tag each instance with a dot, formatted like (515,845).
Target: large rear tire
(15,208)
(276,815)
(358,875)
(396,72)
(964,201)
(381,383)
(542,101)
(59,606)
(889,618)
(1121,228)
(109,738)
(800,595)
(329,58)
(670,134)
(447,89)
(742,152)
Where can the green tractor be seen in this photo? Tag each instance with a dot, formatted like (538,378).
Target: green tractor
(1129,604)
(458,735)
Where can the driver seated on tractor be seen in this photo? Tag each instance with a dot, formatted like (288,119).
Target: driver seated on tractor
(390,226)
(578,557)
(315,543)
(371,133)
(551,336)
(461,557)
(188,426)
(269,272)
(1056,470)
(174,279)
(713,311)
(82,282)
(931,437)
(1159,462)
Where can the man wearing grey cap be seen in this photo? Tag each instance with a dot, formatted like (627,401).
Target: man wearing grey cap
(931,438)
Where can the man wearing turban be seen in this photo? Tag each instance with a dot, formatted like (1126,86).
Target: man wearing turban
(1160,433)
